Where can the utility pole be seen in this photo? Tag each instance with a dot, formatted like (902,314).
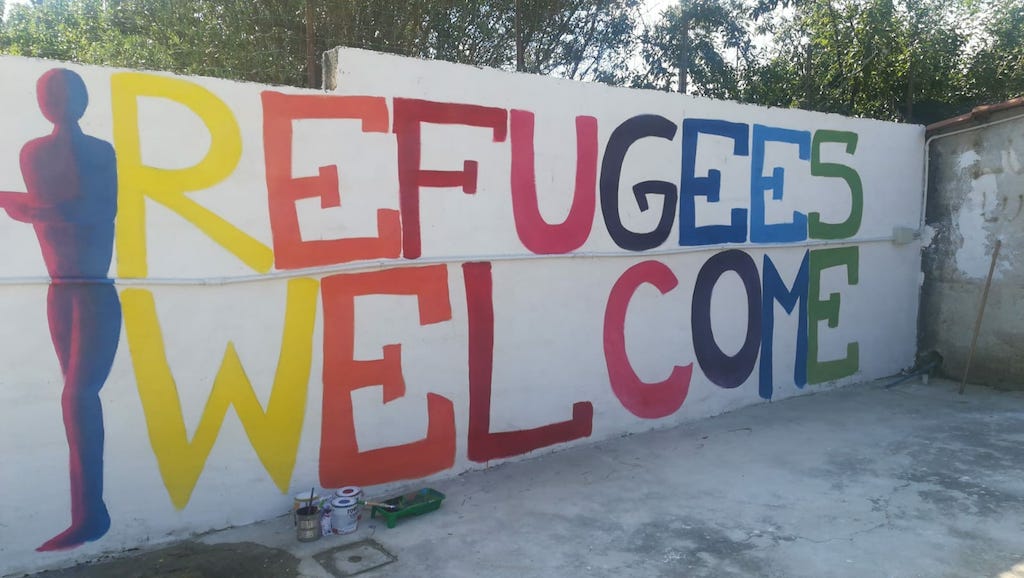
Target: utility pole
(684,44)
(520,50)
(310,61)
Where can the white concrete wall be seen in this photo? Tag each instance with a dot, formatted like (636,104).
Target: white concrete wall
(182,455)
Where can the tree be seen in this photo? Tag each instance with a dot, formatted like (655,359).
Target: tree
(996,70)
(579,39)
(886,59)
(265,40)
(906,60)
(694,42)
(933,70)
(582,39)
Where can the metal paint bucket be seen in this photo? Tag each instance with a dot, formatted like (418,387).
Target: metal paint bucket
(345,517)
(307,527)
(301,501)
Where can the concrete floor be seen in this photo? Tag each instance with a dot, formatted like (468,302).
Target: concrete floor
(859,482)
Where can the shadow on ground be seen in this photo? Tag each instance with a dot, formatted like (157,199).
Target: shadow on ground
(192,560)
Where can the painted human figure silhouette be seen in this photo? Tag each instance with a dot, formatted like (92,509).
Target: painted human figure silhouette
(71,203)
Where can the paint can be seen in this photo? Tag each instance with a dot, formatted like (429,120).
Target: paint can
(345,517)
(354,492)
(307,526)
(302,501)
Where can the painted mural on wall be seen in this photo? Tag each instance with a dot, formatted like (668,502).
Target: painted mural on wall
(471,308)
(71,201)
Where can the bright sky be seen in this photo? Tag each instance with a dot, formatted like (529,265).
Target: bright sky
(9,3)
(652,9)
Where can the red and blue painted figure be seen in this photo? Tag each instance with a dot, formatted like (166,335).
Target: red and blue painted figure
(71,203)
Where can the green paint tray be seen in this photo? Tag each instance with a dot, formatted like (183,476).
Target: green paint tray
(414,504)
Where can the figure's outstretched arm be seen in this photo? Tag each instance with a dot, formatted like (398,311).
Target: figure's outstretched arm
(17,205)
(22,207)
(8,198)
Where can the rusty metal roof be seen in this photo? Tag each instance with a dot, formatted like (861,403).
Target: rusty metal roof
(977,114)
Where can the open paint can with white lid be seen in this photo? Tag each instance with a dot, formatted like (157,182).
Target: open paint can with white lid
(354,492)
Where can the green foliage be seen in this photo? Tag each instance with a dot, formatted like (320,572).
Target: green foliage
(582,39)
(906,60)
(997,68)
(887,59)
(265,40)
(705,35)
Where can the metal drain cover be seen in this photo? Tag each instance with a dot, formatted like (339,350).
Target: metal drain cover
(355,558)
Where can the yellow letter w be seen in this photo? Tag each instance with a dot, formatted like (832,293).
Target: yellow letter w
(273,433)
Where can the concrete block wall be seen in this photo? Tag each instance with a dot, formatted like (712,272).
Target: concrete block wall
(976,196)
(216,295)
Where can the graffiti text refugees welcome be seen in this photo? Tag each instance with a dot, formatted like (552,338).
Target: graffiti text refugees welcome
(275,430)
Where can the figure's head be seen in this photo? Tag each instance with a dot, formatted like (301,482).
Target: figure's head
(62,96)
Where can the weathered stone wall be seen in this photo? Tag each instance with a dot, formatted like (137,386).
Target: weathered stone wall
(976,196)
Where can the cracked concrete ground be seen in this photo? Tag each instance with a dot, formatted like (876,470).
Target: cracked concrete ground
(858,482)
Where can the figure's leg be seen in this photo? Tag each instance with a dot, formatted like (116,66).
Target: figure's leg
(59,313)
(94,327)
